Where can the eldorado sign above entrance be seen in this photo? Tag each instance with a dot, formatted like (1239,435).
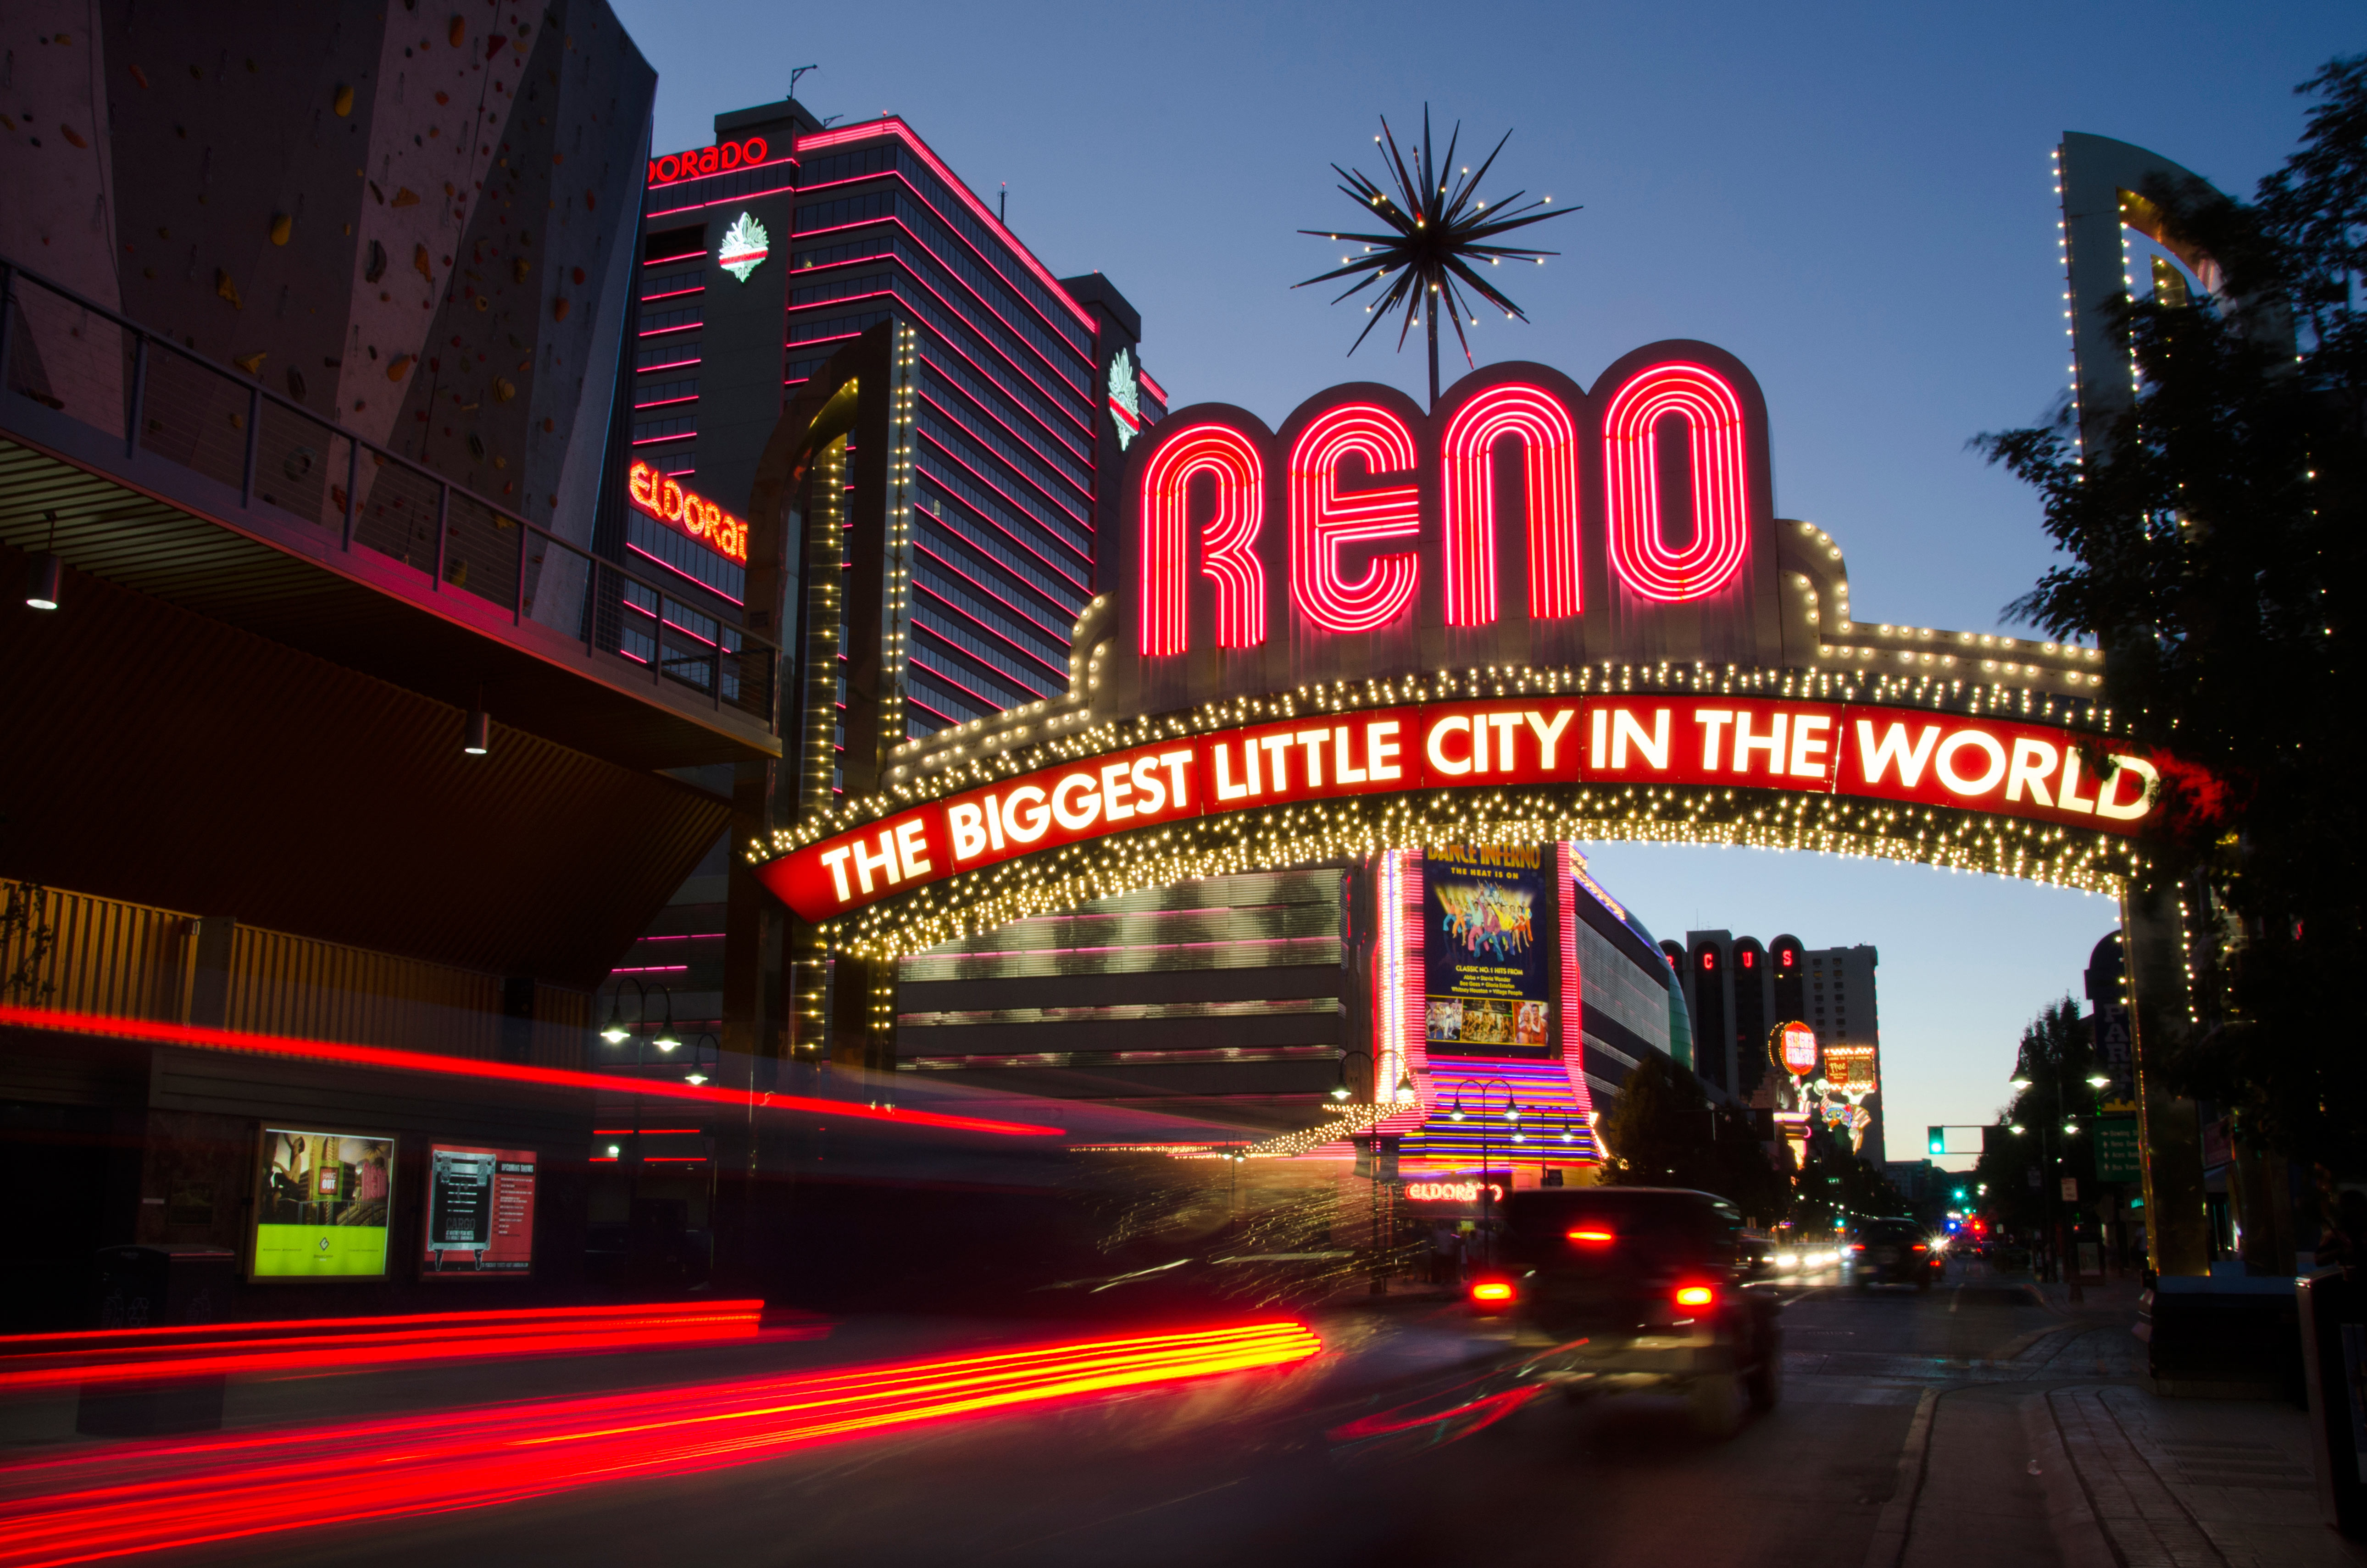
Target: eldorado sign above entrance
(1552,599)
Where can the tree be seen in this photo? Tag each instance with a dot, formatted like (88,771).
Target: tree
(2213,547)
(2056,1058)
(1433,237)
(1662,1133)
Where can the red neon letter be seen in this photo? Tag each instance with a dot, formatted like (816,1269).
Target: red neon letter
(1323,519)
(1712,413)
(1549,442)
(1227,544)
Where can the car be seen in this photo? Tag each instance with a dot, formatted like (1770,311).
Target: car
(1624,1288)
(1894,1252)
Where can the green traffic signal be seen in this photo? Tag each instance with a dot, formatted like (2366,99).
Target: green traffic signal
(1936,1142)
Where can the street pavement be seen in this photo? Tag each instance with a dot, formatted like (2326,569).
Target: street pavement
(1980,1422)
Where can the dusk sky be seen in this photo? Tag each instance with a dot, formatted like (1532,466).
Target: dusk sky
(1854,200)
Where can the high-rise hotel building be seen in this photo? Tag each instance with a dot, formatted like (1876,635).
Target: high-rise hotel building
(761,257)
(1739,989)
(764,255)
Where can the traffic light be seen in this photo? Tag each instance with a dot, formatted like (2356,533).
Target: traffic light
(1960,1195)
(1936,1143)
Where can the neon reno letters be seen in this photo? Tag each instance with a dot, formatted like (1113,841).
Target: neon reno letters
(1383,518)
(1897,753)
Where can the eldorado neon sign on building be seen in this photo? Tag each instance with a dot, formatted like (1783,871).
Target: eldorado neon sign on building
(1368,550)
(659,496)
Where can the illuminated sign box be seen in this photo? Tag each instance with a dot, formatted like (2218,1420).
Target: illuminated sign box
(480,1211)
(323,1201)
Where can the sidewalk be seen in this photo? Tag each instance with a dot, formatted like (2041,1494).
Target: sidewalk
(2194,1481)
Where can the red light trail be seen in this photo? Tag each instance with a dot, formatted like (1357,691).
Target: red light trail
(206,1039)
(313,1346)
(127,1498)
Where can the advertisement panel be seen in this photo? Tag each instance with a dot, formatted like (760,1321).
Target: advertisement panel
(1484,969)
(321,1205)
(480,1211)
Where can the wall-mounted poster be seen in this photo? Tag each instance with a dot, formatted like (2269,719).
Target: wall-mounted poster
(1484,965)
(480,1211)
(321,1205)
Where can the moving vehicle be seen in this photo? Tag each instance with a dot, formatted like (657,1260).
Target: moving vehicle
(1633,1288)
(1894,1252)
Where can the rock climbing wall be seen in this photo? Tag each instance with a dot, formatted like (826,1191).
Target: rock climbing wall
(414,220)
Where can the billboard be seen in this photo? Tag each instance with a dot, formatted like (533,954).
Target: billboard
(480,1211)
(321,1205)
(1483,971)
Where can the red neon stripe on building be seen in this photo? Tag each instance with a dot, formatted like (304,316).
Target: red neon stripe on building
(1018,647)
(1015,504)
(1066,388)
(1061,503)
(1548,438)
(1228,542)
(1323,519)
(199,1037)
(893,126)
(1721,471)
(1058,633)
(996,524)
(922,198)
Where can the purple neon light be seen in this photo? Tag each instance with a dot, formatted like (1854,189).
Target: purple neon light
(981,405)
(1050,629)
(893,126)
(870,222)
(1020,294)
(726,200)
(1154,946)
(675,294)
(664,365)
(670,331)
(958,460)
(889,254)
(912,700)
(1012,642)
(1001,529)
(703,586)
(994,704)
(695,636)
(1062,505)
(665,403)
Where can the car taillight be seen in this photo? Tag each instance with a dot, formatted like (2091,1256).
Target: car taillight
(1697,1295)
(1920,1247)
(1856,1247)
(1494,1293)
(1593,1238)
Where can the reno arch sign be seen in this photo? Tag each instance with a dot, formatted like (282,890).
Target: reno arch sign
(2012,770)
(1525,521)
(1554,598)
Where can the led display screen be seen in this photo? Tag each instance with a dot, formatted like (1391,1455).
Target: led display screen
(480,1211)
(321,1205)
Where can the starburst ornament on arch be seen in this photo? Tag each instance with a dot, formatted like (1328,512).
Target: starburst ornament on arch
(1435,233)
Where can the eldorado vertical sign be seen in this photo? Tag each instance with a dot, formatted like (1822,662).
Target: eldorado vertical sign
(1484,968)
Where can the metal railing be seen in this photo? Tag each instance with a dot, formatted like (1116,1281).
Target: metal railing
(160,400)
